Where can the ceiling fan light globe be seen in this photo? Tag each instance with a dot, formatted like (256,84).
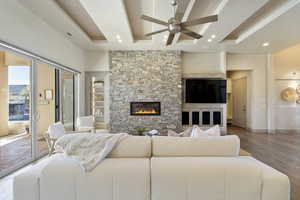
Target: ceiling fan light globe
(174,2)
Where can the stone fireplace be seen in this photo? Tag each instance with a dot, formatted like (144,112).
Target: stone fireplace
(144,108)
(145,90)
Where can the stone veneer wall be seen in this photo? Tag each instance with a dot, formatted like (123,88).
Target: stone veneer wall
(145,76)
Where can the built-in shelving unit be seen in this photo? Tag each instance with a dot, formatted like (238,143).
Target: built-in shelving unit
(97,102)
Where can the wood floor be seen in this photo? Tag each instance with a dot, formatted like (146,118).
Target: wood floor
(19,151)
(281,151)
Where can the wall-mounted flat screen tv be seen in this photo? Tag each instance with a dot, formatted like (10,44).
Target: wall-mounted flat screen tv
(205,91)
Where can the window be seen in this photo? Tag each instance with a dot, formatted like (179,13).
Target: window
(19,93)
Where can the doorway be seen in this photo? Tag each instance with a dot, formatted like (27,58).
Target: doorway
(237,95)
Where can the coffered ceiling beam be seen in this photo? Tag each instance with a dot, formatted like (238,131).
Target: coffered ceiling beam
(111,18)
(264,22)
(231,15)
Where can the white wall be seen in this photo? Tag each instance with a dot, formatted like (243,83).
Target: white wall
(257,64)
(20,27)
(97,61)
(285,63)
(201,63)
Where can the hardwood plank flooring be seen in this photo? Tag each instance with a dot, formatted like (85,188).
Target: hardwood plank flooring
(19,151)
(280,150)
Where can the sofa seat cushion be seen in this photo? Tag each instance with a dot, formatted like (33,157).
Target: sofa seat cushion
(113,179)
(192,178)
(202,146)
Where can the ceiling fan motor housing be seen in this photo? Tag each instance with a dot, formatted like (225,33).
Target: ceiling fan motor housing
(174,26)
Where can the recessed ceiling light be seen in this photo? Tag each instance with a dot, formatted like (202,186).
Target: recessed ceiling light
(69,34)
(213,36)
(118,37)
(120,41)
(165,36)
(266,44)
(209,40)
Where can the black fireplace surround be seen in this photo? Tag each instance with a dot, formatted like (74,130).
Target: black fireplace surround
(144,108)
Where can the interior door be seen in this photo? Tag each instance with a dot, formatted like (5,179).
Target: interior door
(239,100)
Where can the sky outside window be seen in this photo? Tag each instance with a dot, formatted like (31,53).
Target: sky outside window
(18,75)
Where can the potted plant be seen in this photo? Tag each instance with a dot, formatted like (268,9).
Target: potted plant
(140,131)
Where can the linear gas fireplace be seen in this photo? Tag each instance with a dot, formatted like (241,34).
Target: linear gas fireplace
(144,108)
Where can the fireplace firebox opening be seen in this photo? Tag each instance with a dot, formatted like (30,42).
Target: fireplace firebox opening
(144,108)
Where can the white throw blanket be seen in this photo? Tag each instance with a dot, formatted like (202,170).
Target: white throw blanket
(89,149)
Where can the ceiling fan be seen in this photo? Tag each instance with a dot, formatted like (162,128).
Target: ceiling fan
(175,26)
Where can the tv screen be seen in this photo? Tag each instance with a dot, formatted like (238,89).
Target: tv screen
(205,91)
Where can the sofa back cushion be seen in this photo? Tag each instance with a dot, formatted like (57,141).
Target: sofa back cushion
(132,147)
(188,147)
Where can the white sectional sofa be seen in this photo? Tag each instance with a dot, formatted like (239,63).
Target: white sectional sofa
(158,168)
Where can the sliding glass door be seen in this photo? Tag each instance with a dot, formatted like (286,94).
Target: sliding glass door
(16,142)
(34,93)
(67,100)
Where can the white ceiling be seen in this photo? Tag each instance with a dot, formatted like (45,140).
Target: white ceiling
(98,22)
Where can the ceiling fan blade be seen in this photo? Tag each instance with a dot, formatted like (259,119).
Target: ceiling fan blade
(191,33)
(202,20)
(170,38)
(151,19)
(155,32)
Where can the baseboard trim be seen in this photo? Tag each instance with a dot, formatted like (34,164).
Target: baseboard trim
(274,131)
(257,130)
(287,131)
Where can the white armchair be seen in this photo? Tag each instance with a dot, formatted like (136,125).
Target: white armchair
(54,132)
(86,123)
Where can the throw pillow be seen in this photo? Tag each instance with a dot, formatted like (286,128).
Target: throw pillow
(185,133)
(213,131)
